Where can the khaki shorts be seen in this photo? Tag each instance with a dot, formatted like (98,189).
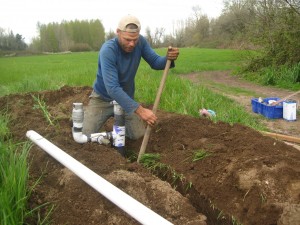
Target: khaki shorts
(99,111)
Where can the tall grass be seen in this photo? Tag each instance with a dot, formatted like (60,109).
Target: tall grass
(287,77)
(181,96)
(13,177)
(184,97)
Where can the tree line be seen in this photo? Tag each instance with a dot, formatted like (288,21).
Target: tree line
(58,37)
(69,36)
(272,27)
(10,41)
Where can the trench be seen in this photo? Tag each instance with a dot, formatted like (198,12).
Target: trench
(199,201)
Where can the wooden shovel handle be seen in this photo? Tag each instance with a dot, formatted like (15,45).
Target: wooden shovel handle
(282,137)
(154,109)
(281,100)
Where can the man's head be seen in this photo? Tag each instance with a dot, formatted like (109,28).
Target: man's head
(128,32)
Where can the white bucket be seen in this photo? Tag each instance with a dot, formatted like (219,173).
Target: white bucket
(289,110)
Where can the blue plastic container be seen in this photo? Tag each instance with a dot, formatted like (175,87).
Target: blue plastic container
(267,110)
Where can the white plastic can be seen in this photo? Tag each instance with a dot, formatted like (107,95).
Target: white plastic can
(289,110)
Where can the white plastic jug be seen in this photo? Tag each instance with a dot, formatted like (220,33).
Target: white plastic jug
(289,110)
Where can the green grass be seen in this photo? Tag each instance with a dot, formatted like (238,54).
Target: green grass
(35,73)
(40,104)
(46,72)
(13,177)
(200,154)
(287,77)
(4,130)
(197,60)
(149,160)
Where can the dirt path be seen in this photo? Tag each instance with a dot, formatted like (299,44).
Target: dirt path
(223,78)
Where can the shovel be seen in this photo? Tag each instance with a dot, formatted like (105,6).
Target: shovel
(283,99)
(155,106)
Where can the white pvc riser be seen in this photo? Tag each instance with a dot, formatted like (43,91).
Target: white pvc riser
(124,201)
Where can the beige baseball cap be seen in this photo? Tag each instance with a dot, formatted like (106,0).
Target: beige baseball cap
(129,19)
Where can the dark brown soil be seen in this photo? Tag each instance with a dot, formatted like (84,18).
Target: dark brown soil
(248,178)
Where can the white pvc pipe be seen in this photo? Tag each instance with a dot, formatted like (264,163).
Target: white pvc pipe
(124,201)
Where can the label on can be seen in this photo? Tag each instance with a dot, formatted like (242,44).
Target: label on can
(119,136)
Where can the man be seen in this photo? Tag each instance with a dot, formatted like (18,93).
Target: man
(118,63)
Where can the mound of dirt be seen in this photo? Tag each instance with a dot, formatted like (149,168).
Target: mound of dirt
(246,178)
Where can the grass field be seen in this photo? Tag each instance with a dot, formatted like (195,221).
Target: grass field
(34,73)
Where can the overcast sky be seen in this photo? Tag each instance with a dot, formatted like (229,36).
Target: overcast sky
(22,16)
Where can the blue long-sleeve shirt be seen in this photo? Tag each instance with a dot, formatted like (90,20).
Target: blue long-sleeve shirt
(117,70)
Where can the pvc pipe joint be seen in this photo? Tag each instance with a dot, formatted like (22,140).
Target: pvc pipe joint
(117,136)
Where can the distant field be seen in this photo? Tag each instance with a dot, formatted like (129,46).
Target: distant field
(50,72)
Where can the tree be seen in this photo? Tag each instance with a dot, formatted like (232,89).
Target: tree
(277,32)
(148,36)
(20,43)
(196,29)
(109,35)
(294,5)
(96,33)
(11,42)
(157,38)
(232,25)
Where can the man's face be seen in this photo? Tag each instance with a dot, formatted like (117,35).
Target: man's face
(128,40)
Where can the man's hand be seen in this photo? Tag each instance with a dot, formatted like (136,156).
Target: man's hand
(172,53)
(147,115)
